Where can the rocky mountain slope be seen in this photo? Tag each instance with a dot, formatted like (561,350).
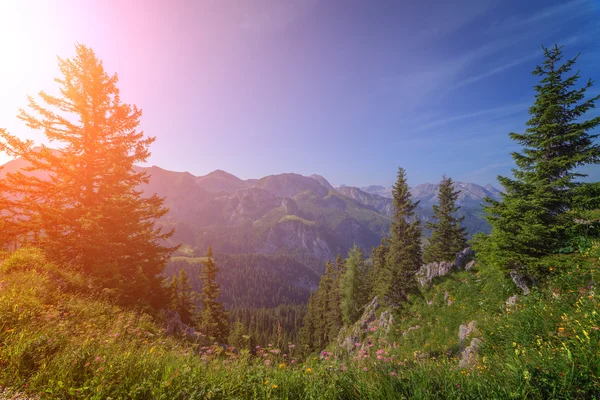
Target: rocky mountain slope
(283,212)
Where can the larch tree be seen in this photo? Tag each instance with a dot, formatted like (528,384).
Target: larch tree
(396,280)
(213,317)
(447,235)
(81,201)
(534,216)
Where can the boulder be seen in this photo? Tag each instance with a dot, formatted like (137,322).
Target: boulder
(469,354)
(463,257)
(176,326)
(521,281)
(470,265)
(428,272)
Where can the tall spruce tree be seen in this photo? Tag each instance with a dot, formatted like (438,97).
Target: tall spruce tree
(182,297)
(89,211)
(334,319)
(447,236)
(378,260)
(352,286)
(213,318)
(533,217)
(396,280)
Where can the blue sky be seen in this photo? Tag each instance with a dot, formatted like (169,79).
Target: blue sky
(346,89)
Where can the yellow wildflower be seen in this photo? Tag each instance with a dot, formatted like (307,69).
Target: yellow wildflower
(274,386)
(152,349)
(308,370)
(281,365)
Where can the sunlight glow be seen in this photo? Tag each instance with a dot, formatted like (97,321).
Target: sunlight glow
(28,59)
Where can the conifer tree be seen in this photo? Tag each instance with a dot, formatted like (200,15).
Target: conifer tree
(333,320)
(396,280)
(378,260)
(352,286)
(89,212)
(308,340)
(213,319)
(185,304)
(447,236)
(533,217)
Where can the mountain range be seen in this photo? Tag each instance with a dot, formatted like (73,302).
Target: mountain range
(286,212)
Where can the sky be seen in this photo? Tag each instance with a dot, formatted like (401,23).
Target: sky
(347,89)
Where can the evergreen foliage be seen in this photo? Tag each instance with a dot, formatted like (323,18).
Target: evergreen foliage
(334,321)
(395,281)
(352,286)
(324,316)
(534,216)
(279,324)
(88,211)
(447,236)
(182,297)
(213,319)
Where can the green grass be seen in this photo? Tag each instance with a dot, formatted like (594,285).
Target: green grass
(59,342)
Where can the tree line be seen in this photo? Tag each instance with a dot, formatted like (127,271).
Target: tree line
(546,208)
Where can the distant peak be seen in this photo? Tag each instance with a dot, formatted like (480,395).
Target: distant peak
(321,180)
(219,173)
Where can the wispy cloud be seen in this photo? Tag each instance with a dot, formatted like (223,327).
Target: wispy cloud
(491,112)
(496,70)
(567,11)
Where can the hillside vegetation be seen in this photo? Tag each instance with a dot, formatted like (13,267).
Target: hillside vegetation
(92,305)
(60,342)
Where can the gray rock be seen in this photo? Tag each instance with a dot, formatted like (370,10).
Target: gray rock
(351,335)
(386,320)
(428,272)
(512,300)
(369,314)
(176,326)
(469,354)
(464,331)
(520,281)
(470,265)
(463,257)
(447,298)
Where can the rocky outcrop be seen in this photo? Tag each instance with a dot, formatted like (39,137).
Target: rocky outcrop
(470,265)
(464,331)
(296,233)
(350,336)
(428,272)
(386,320)
(468,356)
(520,281)
(174,325)
(462,258)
